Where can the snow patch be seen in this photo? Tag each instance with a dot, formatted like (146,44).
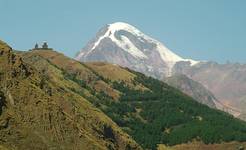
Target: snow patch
(128,46)
(125,43)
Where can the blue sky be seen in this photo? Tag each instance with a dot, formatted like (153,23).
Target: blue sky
(198,29)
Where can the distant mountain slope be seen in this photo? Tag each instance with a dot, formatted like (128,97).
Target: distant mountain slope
(39,110)
(149,110)
(226,81)
(201,94)
(192,88)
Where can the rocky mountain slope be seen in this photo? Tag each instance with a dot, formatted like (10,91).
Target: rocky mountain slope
(201,94)
(149,110)
(123,44)
(192,88)
(226,81)
(39,110)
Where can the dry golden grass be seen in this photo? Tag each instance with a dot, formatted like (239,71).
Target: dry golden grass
(63,62)
(102,86)
(115,73)
(110,71)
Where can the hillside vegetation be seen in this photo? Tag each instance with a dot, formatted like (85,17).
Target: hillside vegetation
(40,111)
(149,110)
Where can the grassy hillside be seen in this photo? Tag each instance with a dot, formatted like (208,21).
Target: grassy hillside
(149,110)
(39,110)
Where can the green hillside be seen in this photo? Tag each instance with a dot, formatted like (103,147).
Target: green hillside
(149,110)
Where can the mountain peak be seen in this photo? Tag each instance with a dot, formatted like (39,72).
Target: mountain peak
(123,44)
(121,26)
(117,26)
(121,40)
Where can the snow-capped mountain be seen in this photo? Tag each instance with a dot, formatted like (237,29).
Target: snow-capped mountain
(125,45)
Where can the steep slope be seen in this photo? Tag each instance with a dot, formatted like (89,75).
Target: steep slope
(192,88)
(226,81)
(201,94)
(38,110)
(149,110)
(123,44)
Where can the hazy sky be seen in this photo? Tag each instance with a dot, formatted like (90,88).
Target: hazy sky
(198,29)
